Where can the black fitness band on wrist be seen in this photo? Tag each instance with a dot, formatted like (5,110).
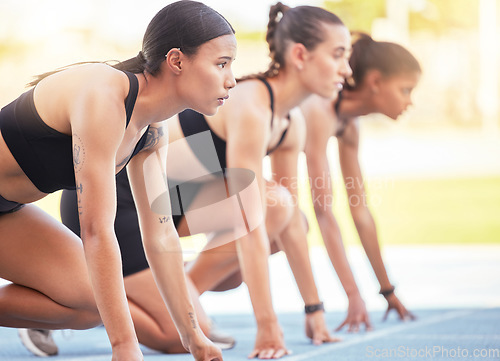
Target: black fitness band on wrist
(313,308)
(388,291)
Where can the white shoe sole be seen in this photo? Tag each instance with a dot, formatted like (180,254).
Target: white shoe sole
(26,340)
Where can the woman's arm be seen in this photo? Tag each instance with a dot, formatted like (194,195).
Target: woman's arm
(363,219)
(321,123)
(97,117)
(147,174)
(247,139)
(293,239)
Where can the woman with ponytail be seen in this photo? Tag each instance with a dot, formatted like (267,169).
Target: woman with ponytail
(308,49)
(383,77)
(76,129)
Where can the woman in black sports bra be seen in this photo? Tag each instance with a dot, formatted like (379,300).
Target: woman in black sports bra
(308,50)
(78,128)
(384,75)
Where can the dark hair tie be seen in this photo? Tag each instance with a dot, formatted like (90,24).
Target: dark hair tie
(141,57)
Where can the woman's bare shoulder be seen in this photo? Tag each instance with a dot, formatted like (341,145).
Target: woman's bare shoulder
(249,101)
(95,78)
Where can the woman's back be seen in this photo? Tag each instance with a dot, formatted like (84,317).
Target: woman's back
(36,128)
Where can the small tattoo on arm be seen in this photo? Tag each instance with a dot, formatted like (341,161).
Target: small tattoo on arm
(193,320)
(78,153)
(164,219)
(80,207)
(125,161)
(79,190)
(153,137)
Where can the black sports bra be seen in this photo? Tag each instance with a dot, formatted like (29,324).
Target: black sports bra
(271,98)
(44,154)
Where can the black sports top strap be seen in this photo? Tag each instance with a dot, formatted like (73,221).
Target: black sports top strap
(271,97)
(132,95)
(129,108)
(281,139)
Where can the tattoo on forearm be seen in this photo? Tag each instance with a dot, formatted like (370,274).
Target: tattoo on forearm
(78,153)
(124,161)
(192,318)
(80,207)
(153,137)
(79,190)
(164,219)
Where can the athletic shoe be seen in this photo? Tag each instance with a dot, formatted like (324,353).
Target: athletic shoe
(220,339)
(39,342)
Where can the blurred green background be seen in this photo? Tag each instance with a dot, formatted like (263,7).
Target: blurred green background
(433,177)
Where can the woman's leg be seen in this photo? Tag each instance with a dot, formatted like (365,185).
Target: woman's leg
(153,324)
(46,264)
(218,268)
(152,321)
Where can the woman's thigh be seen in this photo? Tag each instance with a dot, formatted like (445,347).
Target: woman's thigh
(38,252)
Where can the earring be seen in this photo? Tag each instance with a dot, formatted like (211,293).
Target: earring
(173,48)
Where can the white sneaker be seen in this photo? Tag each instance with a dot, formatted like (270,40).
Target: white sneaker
(39,342)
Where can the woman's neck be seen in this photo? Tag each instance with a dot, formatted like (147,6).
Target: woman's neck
(355,103)
(288,93)
(155,101)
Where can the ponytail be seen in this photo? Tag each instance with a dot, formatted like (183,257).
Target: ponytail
(276,13)
(301,24)
(386,57)
(134,65)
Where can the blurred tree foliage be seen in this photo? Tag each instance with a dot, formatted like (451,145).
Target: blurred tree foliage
(436,16)
(442,16)
(357,14)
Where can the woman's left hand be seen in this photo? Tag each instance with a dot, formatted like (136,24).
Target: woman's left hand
(395,304)
(203,349)
(317,330)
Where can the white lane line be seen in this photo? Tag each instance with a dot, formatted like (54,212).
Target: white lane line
(378,334)
(429,336)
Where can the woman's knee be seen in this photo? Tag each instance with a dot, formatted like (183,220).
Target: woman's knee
(85,319)
(82,302)
(279,208)
(85,312)
(231,282)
